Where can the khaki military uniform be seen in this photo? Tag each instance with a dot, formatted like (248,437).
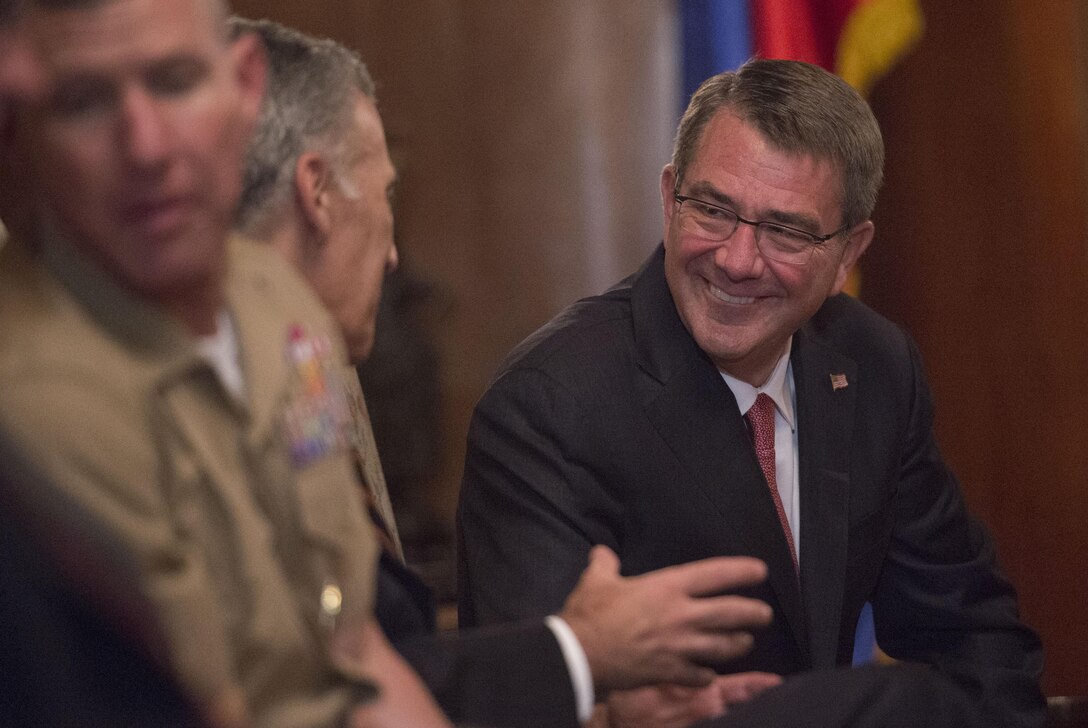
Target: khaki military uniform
(245,516)
(370,466)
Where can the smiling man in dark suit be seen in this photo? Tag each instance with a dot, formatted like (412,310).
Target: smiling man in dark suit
(727,399)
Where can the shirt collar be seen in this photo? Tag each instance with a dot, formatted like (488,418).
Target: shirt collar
(221,352)
(779,387)
(114,308)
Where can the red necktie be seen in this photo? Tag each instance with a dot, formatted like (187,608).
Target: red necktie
(761,423)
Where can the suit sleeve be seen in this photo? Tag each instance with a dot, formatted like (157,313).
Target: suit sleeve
(941,598)
(512,676)
(531,505)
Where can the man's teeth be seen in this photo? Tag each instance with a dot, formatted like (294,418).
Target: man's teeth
(722,295)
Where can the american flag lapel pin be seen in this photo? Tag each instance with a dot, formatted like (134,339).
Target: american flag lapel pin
(838,381)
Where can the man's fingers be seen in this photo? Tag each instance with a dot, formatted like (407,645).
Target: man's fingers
(603,561)
(708,648)
(713,575)
(744,686)
(692,676)
(729,612)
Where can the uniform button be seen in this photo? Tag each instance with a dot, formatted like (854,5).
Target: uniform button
(331,600)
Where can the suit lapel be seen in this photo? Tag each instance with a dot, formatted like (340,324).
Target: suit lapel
(825,422)
(695,413)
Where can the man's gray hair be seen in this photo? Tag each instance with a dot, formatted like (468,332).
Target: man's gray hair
(800,109)
(308,105)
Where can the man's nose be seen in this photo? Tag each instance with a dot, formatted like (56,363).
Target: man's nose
(145,133)
(739,254)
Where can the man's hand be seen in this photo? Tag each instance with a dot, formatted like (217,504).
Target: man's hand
(402,698)
(673,706)
(665,626)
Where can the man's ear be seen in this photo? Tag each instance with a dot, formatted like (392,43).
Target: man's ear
(251,74)
(668,202)
(313,184)
(857,241)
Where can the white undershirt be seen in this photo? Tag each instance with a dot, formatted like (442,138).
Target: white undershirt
(780,388)
(221,351)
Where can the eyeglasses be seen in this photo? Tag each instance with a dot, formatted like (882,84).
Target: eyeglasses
(775,241)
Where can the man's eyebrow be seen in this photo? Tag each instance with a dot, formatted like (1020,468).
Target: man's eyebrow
(710,193)
(800,220)
(178,57)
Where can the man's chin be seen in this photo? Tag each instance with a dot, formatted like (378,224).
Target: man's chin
(170,268)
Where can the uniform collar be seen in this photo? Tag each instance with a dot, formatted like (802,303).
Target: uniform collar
(120,312)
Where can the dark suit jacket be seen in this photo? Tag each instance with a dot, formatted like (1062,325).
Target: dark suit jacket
(513,676)
(609,425)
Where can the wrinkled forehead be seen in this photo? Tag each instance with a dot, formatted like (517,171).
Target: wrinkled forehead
(106,35)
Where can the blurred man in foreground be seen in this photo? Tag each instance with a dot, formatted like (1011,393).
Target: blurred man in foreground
(80,645)
(127,379)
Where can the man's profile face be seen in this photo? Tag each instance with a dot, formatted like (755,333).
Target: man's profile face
(359,249)
(139,141)
(740,307)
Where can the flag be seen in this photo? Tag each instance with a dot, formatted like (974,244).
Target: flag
(717,36)
(860,40)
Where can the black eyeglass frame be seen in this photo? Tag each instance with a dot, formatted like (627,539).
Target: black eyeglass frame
(816,239)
